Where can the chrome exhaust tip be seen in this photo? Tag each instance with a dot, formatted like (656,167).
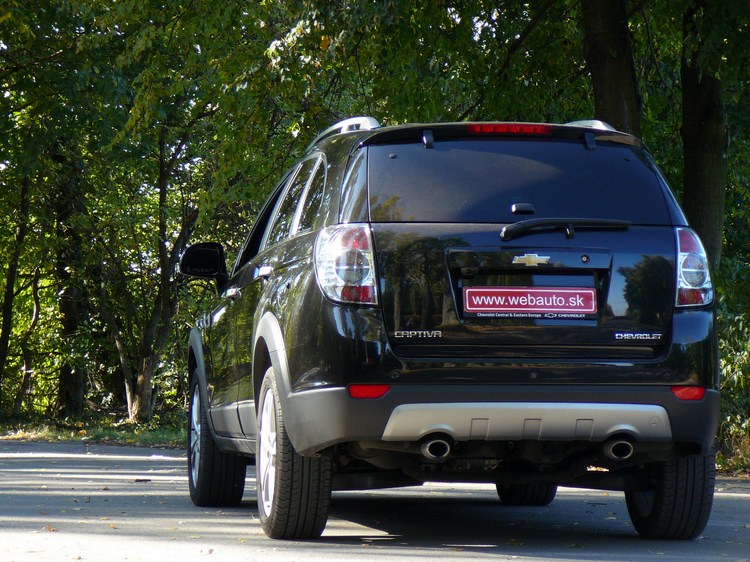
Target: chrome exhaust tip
(618,449)
(436,449)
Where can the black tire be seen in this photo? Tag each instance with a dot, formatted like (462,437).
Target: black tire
(216,478)
(678,506)
(533,494)
(294,492)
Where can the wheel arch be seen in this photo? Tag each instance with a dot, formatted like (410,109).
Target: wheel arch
(197,367)
(269,350)
(261,363)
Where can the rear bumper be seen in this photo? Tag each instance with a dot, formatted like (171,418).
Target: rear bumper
(317,419)
(553,421)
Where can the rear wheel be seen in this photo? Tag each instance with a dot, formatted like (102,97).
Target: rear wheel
(679,503)
(529,494)
(215,478)
(294,492)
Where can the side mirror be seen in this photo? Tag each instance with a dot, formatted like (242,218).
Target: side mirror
(205,261)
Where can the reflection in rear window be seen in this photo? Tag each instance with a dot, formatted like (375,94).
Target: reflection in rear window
(480,180)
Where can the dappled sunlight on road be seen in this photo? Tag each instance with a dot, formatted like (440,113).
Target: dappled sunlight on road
(69,501)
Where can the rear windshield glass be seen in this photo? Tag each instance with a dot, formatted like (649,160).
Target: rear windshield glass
(480,181)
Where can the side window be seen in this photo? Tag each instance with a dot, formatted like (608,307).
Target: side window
(286,209)
(253,241)
(310,213)
(353,206)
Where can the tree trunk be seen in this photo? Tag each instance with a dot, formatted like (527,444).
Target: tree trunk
(161,314)
(114,330)
(156,333)
(705,140)
(608,49)
(71,302)
(72,381)
(10,280)
(28,365)
(146,392)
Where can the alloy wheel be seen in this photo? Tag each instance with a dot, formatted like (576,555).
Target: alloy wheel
(195,434)
(267,453)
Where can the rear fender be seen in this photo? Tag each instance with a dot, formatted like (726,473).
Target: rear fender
(268,336)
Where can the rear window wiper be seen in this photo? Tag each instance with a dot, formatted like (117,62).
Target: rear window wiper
(569,225)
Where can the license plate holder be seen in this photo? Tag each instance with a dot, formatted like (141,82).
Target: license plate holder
(530,302)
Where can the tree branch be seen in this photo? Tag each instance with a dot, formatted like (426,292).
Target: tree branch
(517,44)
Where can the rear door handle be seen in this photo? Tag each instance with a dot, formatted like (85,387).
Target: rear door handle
(265,271)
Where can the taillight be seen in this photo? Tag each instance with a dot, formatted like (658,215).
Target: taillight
(694,287)
(345,264)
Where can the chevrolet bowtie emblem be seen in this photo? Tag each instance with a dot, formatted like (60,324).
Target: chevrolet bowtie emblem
(531,260)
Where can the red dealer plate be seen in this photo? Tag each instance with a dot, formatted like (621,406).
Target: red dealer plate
(523,301)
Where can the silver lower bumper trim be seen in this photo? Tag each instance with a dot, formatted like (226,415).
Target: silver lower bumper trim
(528,420)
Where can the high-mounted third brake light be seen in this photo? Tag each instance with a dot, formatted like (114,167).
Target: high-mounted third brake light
(694,287)
(509,129)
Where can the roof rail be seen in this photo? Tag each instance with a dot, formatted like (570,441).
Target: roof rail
(592,124)
(352,124)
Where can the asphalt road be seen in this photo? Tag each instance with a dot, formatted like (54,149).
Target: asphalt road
(70,501)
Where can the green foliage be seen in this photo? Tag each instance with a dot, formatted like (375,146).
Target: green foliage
(420,62)
(734,431)
(158,123)
(734,343)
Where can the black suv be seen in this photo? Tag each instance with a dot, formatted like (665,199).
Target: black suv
(510,303)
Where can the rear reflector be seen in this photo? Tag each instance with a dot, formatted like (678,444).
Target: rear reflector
(368,391)
(510,129)
(689,392)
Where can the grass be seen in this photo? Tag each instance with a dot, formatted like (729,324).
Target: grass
(121,433)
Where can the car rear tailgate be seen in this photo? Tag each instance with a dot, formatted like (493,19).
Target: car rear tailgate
(455,291)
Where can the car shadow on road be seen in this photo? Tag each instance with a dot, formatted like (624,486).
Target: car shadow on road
(477,521)
(450,520)
(440,521)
